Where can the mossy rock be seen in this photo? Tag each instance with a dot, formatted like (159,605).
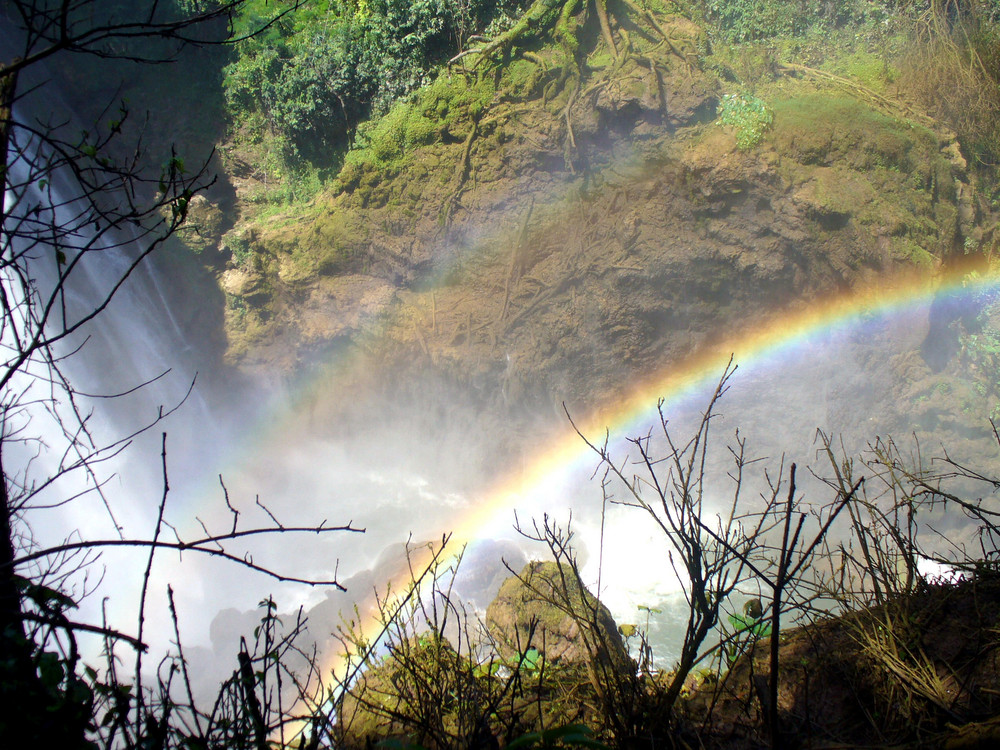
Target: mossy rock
(422,691)
(820,129)
(545,608)
(203,227)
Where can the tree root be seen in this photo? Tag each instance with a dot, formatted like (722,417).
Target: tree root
(872,96)
(651,20)
(602,17)
(570,147)
(516,260)
(421,339)
(461,175)
(561,17)
(540,15)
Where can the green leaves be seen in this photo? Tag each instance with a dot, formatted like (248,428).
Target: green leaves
(748,116)
(746,20)
(571,735)
(747,624)
(314,82)
(46,598)
(531,660)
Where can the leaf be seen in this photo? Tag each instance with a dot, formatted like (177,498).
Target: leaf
(50,669)
(570,735)
(757,628)
(530,660)
(41,595)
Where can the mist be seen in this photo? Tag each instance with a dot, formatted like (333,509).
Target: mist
(417,464)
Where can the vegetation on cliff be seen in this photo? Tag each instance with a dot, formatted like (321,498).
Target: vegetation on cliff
(530,121)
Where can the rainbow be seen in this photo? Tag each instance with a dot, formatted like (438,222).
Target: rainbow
(783,333)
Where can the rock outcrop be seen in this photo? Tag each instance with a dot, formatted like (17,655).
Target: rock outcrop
(545,608)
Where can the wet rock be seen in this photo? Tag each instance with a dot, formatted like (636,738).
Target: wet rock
(240,282)
(202,229)
(544,607)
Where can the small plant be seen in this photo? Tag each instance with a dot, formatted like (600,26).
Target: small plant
(748,116)
(571,735)
(239,246)
(749,626)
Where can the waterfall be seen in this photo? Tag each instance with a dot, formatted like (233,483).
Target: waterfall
(128,366)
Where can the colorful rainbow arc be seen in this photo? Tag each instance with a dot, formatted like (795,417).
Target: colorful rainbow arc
(783,332)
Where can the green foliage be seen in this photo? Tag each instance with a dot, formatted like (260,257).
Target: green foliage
(753,625)
(239,246)
(953,71)
(46,701)
(571,735)
(442,110)
(746,20)
(737,21)
(531,660)
(317,75)
(748,116)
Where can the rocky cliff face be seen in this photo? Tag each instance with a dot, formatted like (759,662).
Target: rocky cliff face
(536,247)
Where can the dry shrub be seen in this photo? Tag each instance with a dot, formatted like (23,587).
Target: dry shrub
(953,71)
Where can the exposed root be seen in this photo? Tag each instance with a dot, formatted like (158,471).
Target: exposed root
(421,339)
(562,18)
(566,35)
(570,148)
(461,174)
(651,20)
(537,59)
(516,260)
(873,97)
(539,16)
(602,17)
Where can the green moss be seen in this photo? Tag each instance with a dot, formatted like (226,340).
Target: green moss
(905,249)
(853,165)
(871,70)
(840,191)
(748,64)
(820,128)
(439,112)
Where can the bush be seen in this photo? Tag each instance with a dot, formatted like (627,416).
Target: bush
(748,116)
(953,70)
(738,21)
(317,79)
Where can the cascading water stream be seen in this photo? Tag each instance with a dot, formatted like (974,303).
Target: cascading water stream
(74,436)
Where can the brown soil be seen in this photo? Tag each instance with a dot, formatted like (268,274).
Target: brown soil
(921,671)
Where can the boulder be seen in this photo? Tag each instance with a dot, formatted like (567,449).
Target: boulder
(545,608)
